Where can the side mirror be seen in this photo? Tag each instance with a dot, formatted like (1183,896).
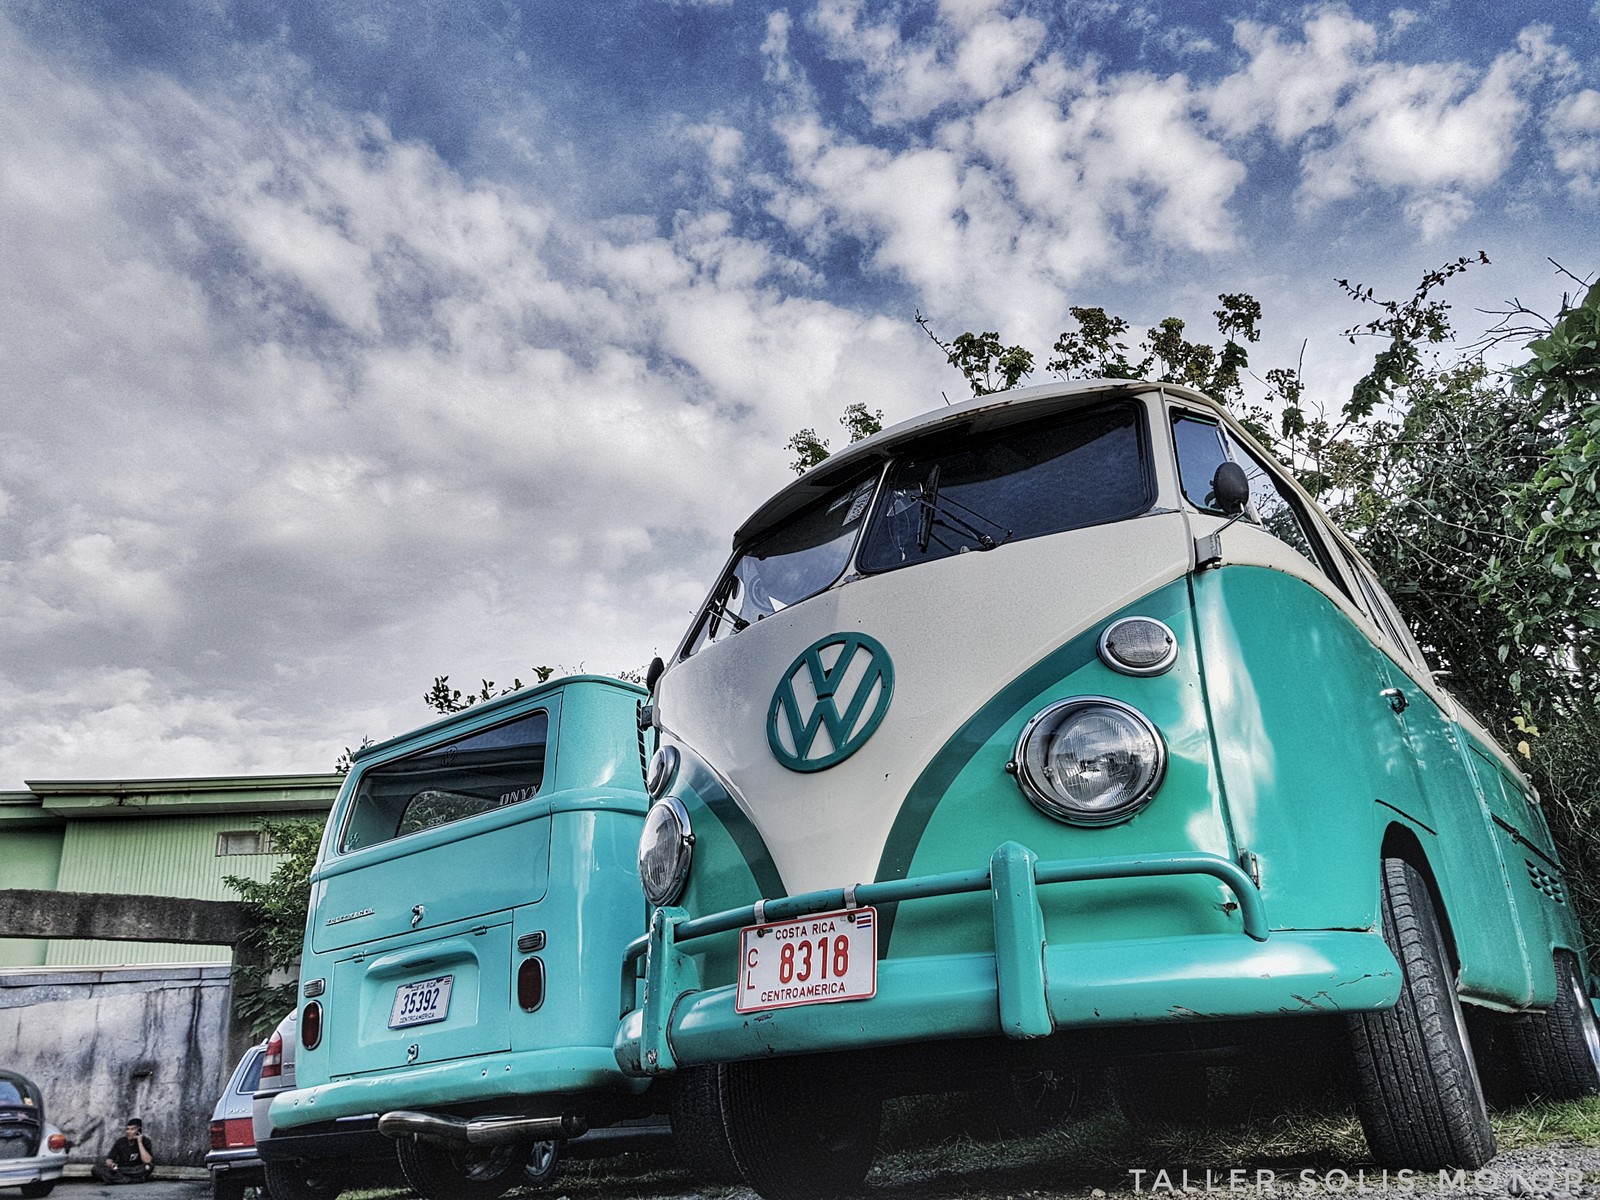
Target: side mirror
(1230,488)
(653,673)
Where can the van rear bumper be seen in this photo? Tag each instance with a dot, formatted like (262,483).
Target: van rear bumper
(505,1082)
(1025,989)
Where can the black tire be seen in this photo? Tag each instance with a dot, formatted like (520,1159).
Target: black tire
(38,1190)
(437,1172)
(302,1181)
(1173,1093)
(539,1168)
(1030,1102)
(697,1106)
(1558,1050)
(798,1129)
(1417,1086)
(225,1187)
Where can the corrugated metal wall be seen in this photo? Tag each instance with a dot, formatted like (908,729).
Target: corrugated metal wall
(173,856)
(29,858)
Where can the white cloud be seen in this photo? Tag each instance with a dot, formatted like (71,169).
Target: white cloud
(296,412)
(1042,176)
(1433,132)
(1572,130)
(972,53)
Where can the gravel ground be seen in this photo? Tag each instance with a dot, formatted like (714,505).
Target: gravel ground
(1550,1171)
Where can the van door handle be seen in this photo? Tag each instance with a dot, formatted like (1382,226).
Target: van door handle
(1396,698)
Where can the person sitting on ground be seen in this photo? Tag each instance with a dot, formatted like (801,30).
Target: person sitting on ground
(131,1158)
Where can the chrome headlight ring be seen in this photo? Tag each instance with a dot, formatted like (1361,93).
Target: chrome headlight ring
(1089,760)
(666,848)
(663,770)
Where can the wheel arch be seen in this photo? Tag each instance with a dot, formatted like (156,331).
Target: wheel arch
(1401,841)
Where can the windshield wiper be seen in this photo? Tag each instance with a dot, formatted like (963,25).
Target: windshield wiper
(932,515)
(719,610)
(928,496)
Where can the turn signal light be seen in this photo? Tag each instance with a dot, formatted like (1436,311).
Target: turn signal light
(58,1142)
(219,1136)
(311,1025)
(530,983)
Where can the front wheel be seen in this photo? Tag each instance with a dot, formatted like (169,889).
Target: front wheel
(38,1190)
(1417,1086)
(302,1181)
(697,1106)
(1558,1050)
(438,1172)
(797,1130)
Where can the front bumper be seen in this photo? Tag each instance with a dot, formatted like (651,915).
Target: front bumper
(507,1081)
(1025,989)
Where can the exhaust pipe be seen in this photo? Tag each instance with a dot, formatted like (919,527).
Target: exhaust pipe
(483,1131)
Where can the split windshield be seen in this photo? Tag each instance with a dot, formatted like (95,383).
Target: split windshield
(949,493)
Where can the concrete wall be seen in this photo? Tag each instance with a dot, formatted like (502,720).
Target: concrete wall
(112,1043)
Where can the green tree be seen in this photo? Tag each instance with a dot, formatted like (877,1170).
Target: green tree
(858,422)
(276,909)
(441,697)
(986,365)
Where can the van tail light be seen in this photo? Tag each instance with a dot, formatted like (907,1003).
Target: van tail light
(272,1060)
(311,1025)
(530,984)
(219,1135)
(58,1142)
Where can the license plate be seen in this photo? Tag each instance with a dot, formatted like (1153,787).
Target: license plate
(814,960)
(421,1003)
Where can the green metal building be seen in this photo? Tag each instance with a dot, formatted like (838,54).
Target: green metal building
(143,837)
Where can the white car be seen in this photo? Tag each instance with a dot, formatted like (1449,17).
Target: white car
(233,1162)
(277,1075)
(33,1152)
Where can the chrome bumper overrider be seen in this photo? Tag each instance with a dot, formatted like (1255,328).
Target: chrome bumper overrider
(1026,988)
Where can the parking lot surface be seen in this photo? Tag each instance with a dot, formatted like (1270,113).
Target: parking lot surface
(198,1188)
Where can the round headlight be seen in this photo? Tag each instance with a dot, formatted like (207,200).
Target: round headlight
(663,768)
(665,848)
(1090,760)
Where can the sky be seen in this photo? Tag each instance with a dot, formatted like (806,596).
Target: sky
(344,345)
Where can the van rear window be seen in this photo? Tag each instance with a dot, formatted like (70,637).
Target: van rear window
(471,775)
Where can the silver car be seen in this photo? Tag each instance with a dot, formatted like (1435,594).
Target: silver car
(234,1164)
(33,1152)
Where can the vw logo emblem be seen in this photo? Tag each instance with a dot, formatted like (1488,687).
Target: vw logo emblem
(829,701)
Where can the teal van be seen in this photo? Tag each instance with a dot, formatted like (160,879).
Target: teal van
(475,889)
(1060,728)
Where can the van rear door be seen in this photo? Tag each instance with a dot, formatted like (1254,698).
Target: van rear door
(436,847)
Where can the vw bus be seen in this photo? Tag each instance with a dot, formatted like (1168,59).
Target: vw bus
(475,888)
(1060,727)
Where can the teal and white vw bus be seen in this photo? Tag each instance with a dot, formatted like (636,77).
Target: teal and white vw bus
(1059,727)
(476,886)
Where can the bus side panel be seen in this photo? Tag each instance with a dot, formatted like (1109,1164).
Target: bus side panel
(1491,930)
(1305,742)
